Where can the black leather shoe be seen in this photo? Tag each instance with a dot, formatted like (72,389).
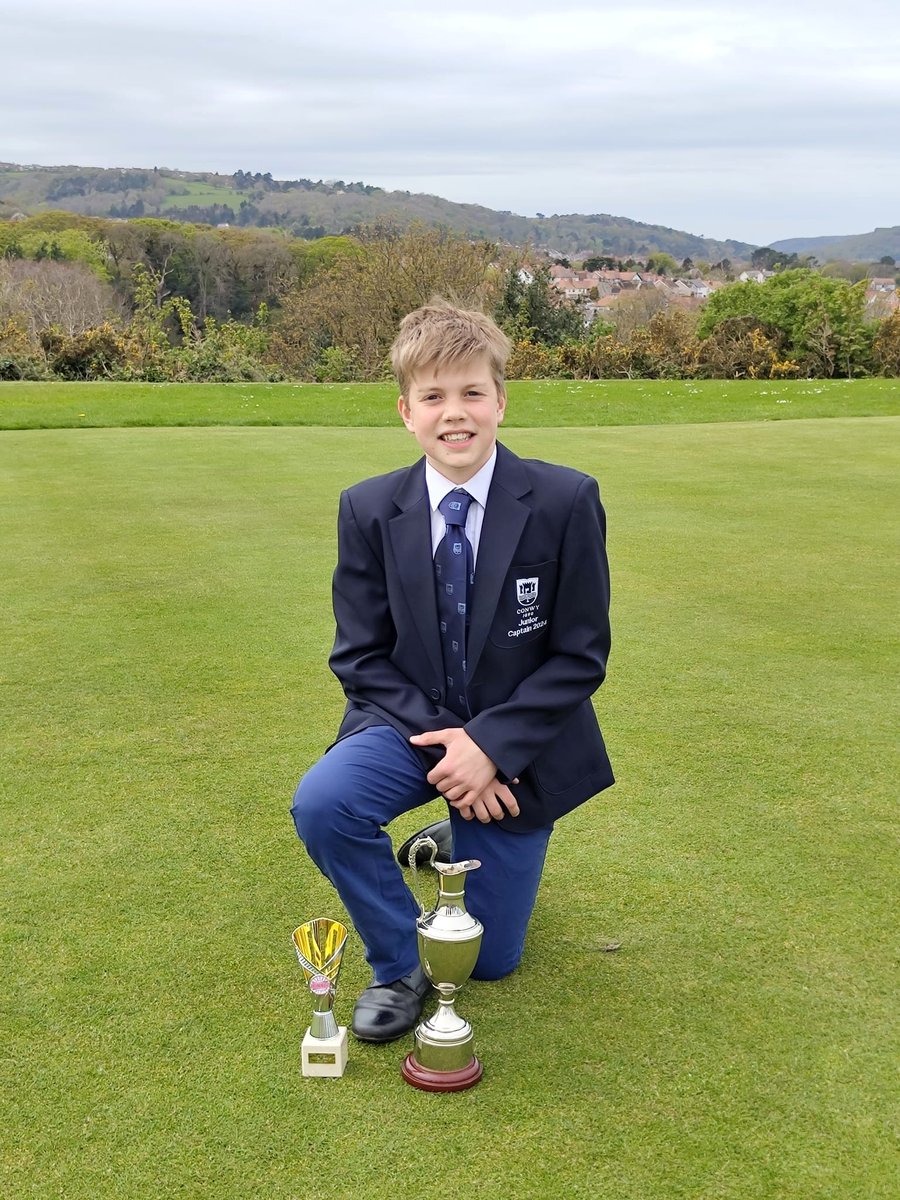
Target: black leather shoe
(388,1010)
(440,831)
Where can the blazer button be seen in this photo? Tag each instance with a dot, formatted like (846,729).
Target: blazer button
(435,694)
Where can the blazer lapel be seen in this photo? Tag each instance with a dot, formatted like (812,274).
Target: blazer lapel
(505,517)
(410,533)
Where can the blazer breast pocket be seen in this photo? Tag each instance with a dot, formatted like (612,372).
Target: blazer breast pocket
(525,605)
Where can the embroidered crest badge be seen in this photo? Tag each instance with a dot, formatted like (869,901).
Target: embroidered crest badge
(527,591)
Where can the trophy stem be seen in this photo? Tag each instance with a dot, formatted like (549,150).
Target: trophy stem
(323,1025)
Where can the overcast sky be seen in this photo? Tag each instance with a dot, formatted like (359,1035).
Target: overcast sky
(760,121)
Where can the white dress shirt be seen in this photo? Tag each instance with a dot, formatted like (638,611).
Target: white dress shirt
(477,487)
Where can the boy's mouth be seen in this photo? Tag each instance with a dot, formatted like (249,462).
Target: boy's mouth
(456,438)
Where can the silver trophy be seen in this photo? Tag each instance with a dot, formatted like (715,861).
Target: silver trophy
(320,947)
(449,940)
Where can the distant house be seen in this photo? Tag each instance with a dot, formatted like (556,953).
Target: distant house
(699,288)
(630,277)
(881,302)
(599,308)
(575,289)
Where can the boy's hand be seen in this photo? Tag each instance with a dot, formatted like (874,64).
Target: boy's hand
(494,803)
(464,772)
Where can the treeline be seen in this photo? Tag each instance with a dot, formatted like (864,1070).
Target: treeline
(148,299)
(797,325)
(306,207)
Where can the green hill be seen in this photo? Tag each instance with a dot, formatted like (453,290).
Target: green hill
(859,247)
(308,208)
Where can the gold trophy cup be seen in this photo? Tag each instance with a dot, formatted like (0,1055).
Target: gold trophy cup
(320,948)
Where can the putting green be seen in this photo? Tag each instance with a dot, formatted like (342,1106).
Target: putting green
(165,620)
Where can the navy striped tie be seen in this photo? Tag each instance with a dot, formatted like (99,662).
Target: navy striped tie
(454,575)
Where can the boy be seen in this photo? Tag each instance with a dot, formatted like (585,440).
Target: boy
(471,598)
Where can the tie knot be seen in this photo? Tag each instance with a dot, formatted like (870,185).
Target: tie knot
(455,506)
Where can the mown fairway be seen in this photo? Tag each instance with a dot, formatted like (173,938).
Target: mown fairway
(533,403)
(164,622)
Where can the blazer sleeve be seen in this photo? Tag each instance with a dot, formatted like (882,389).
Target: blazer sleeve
(366,636)
(515,732)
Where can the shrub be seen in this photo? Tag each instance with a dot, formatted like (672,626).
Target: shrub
(98,353)
(886,346)
(530,360)
(21,356)
(334,364)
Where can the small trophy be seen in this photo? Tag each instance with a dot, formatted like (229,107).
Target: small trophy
(449,940)
(320,947)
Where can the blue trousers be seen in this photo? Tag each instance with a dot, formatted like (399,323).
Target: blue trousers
(340,809)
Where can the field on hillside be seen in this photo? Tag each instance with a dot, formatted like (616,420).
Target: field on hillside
(165,621)
(532,404)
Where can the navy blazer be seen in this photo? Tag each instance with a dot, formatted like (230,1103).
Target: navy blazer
(538,636)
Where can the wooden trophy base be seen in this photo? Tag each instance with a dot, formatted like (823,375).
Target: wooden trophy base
(324,1056)
(441,1081)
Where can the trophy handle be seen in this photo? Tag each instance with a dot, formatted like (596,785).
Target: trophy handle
(424,840)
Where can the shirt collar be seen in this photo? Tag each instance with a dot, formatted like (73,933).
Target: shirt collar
(478,486)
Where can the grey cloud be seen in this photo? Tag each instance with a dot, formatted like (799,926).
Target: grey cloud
(495,95)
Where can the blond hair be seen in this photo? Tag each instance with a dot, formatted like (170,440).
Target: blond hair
(438,335)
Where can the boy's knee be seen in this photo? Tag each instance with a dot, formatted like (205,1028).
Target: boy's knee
(327,810)
(312,808)
(496,962)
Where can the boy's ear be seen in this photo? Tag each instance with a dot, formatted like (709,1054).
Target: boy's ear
(405,413)
(501,404)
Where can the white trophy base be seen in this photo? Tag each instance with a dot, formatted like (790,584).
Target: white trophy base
(324,1056)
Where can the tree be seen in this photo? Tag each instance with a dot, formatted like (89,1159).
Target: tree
(357,302)
(310,257)
(533,311)
(635,308)
(886,346)
(600,262)
(843,268)
(46,294)
(661,263)
(822,319)
(764,258)
(159,246)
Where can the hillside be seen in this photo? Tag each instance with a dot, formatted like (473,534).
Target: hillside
(860,247)
(310,209)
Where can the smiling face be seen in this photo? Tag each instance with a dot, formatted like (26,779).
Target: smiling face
(453,414)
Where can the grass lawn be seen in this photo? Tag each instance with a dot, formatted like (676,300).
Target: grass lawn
(198,192)
(164,618)
(533,404)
